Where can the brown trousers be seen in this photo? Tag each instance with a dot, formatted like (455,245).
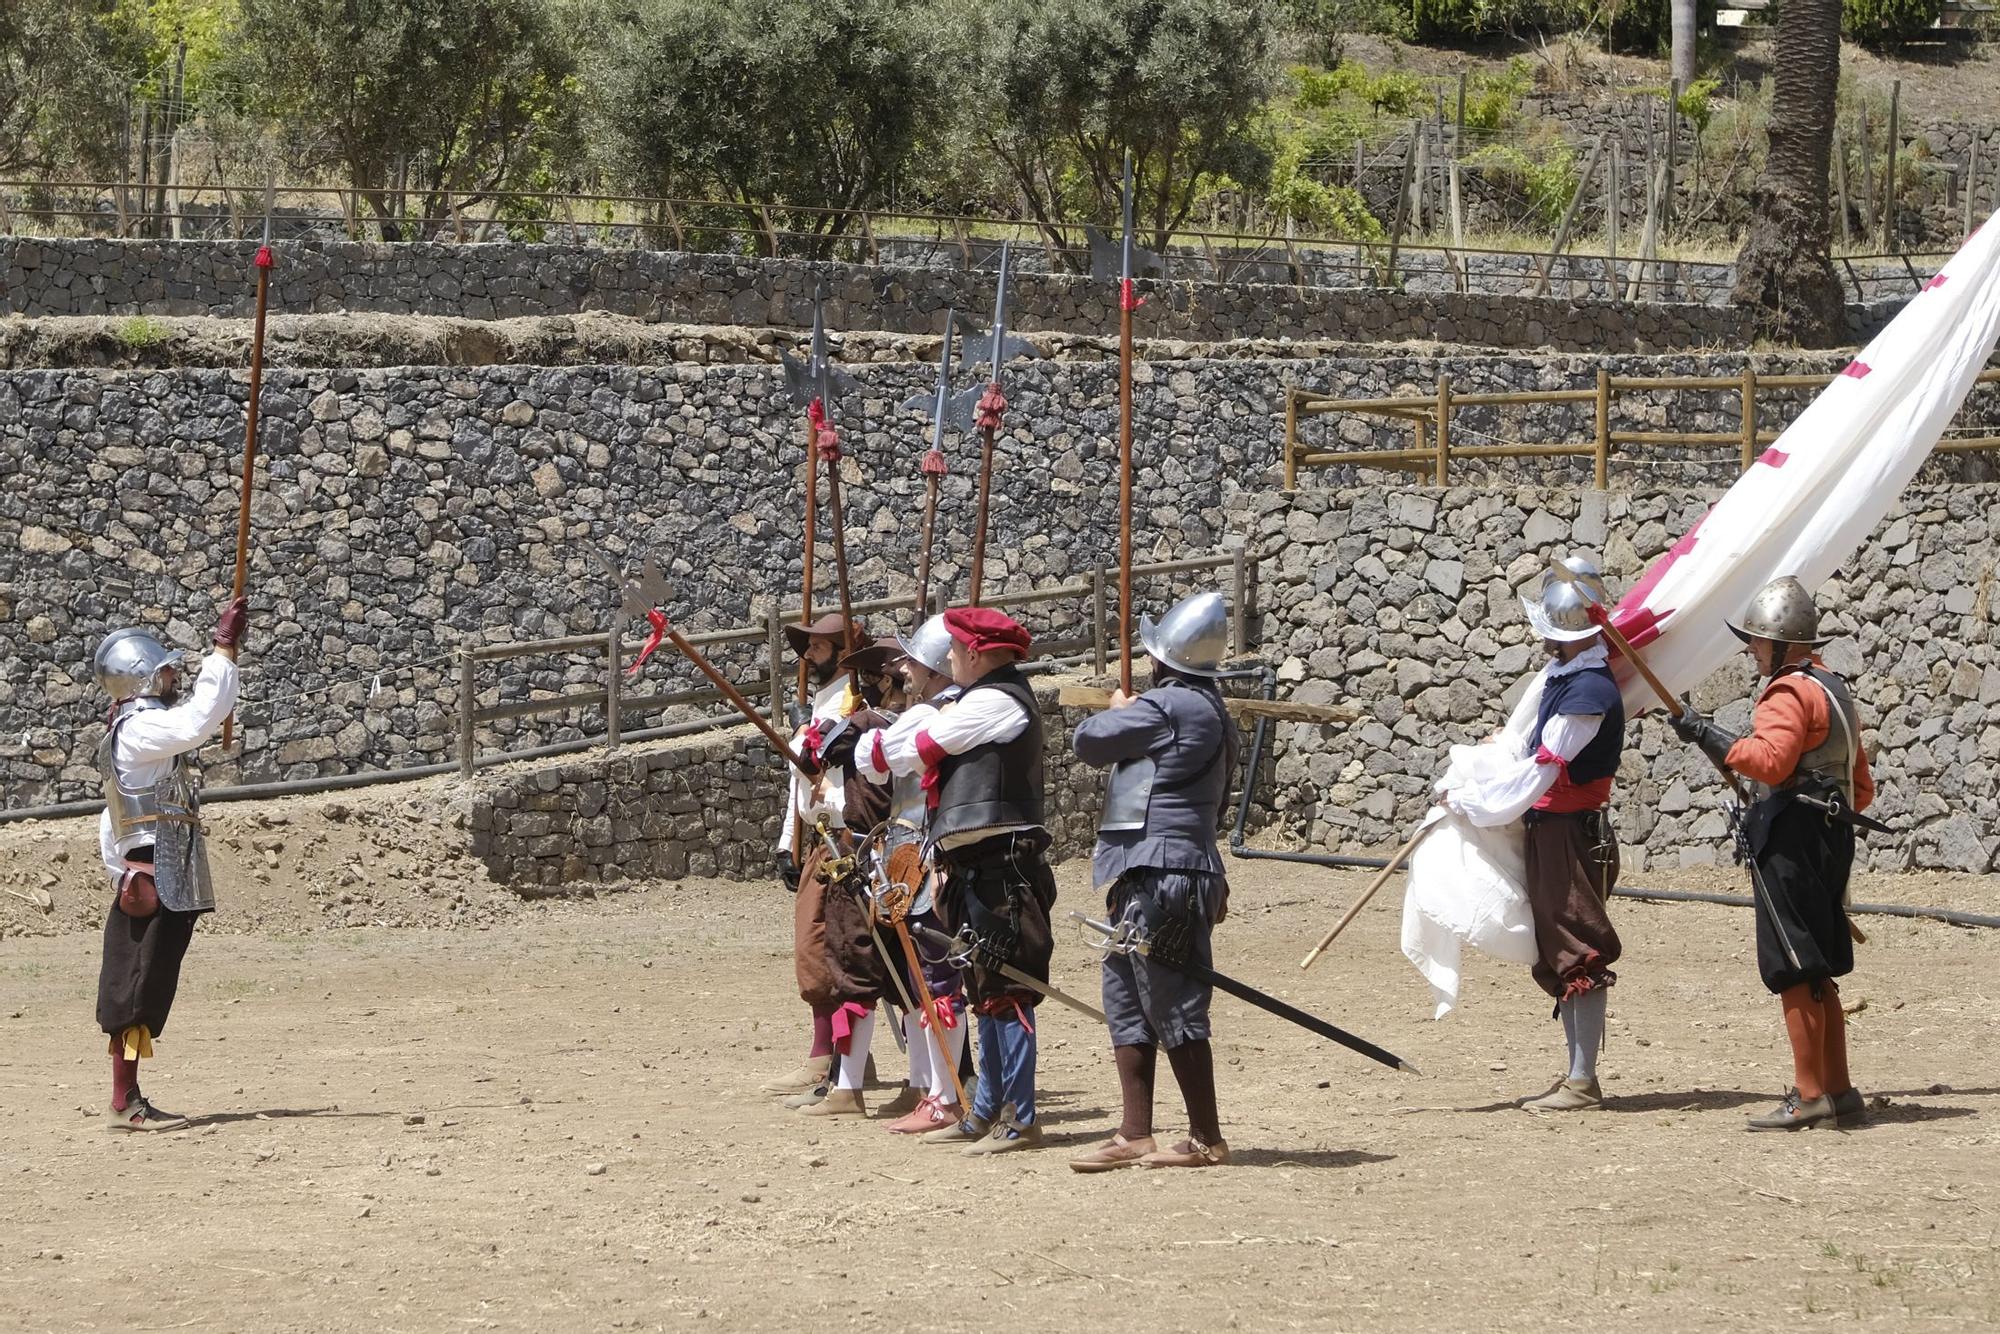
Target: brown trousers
(1567,892)
(833,951)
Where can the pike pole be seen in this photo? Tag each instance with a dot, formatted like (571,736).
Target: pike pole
(263,262)
(735,697)
(1127,303)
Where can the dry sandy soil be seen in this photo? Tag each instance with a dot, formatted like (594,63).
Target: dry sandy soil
(402,1128)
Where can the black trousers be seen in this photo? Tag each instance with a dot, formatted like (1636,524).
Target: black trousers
(141,970)
(1002,888)
(1804,862)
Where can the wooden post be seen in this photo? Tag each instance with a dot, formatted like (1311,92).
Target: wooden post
(774,645)
(1239,601)
(1890,241)
(674,222)
(1402,205)
(1421,427)
(1649,238)
(1602,472)
(868,235)
(1460,264)
(1840,188)
(1569,215)
(1443,429)
(1673,149)
(1291,438)
(1460,138)
(613,652)
(1418,175)
(468,699)
(1749,409)
(1868,210)
(1971,182)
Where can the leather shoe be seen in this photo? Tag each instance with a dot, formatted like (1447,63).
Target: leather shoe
(837,1102)
(1572,1095)
(963,1131)
(1006,1135)
(1190,1152)
(931,1114)
(1113,1154)
(813,1070)
(1850,1109)
(805,1097)
(1795,1113)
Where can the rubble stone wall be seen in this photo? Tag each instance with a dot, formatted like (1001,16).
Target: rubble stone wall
(110,277)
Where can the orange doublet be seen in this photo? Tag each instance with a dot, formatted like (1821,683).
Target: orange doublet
(1791,719)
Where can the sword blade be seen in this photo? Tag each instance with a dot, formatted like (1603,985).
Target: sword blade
(1010,972)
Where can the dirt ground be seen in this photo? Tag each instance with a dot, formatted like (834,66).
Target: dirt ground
(546,1115)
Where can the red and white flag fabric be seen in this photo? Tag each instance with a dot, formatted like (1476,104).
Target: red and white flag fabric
(1816,494)
(1802,509)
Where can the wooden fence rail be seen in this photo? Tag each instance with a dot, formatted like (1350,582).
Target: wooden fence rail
(1430,421)
(610,701)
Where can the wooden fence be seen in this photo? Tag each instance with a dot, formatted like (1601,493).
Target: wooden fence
(610,701)
(1433,449)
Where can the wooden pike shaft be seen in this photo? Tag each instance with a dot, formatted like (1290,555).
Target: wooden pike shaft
(1125,489)
(931,1008)
(735,696)
(1380,879)
(836,518)
(812,531)
(924,556)
(242,578)
(986,435)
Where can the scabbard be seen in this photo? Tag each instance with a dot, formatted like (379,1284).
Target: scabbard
(1271,1004)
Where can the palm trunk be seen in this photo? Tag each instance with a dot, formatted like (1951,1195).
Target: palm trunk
(1786,269)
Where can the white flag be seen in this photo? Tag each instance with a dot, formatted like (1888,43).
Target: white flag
(1813,497)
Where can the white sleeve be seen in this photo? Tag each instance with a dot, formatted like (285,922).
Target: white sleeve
(884,752)
(161,734)
(980,718)
(1502,787)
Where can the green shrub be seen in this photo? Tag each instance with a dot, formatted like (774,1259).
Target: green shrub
(141,332)
(1875,22)
(1547,178)
(1324,210)
(1457,20)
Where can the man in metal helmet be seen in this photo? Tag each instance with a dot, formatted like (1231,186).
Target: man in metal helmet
(1171,751)
(924,663)
(151,840)
(1559,789)
(1804,759)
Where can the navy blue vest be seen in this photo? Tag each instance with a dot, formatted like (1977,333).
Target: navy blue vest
(1590,691)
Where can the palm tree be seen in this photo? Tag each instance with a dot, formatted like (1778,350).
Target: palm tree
(1786,266)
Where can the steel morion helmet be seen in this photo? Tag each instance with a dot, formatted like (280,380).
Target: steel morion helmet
(1783,611)
(929,645)
(128,662)
(1563,612)
(1192,637)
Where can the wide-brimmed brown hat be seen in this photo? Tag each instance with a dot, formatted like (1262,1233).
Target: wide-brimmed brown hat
(829,626)
(874,659)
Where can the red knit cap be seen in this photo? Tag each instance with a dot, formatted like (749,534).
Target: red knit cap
(982,628)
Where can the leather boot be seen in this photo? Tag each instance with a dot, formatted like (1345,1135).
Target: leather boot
(960,1132)
(1850,1109)
(837,1102)
(801,1077)
(805,1097)
(907,1100)
(1572,1095)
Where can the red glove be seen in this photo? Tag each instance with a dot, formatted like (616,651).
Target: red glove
(229,629)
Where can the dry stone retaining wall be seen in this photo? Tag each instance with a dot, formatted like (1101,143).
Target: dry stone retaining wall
(99,277)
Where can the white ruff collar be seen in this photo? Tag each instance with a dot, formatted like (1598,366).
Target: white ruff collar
(1594,656)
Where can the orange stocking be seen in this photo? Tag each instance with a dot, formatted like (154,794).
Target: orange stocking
(1833,1041)
(1805,1023)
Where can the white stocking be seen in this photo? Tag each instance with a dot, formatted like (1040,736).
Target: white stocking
(945,1062)
(854,1064)
(915,1035)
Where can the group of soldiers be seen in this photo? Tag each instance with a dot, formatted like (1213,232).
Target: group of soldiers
(919,806)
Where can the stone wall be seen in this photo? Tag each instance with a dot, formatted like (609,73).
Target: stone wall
(1405,602)
(703,807)
(94,277)
(408,513)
